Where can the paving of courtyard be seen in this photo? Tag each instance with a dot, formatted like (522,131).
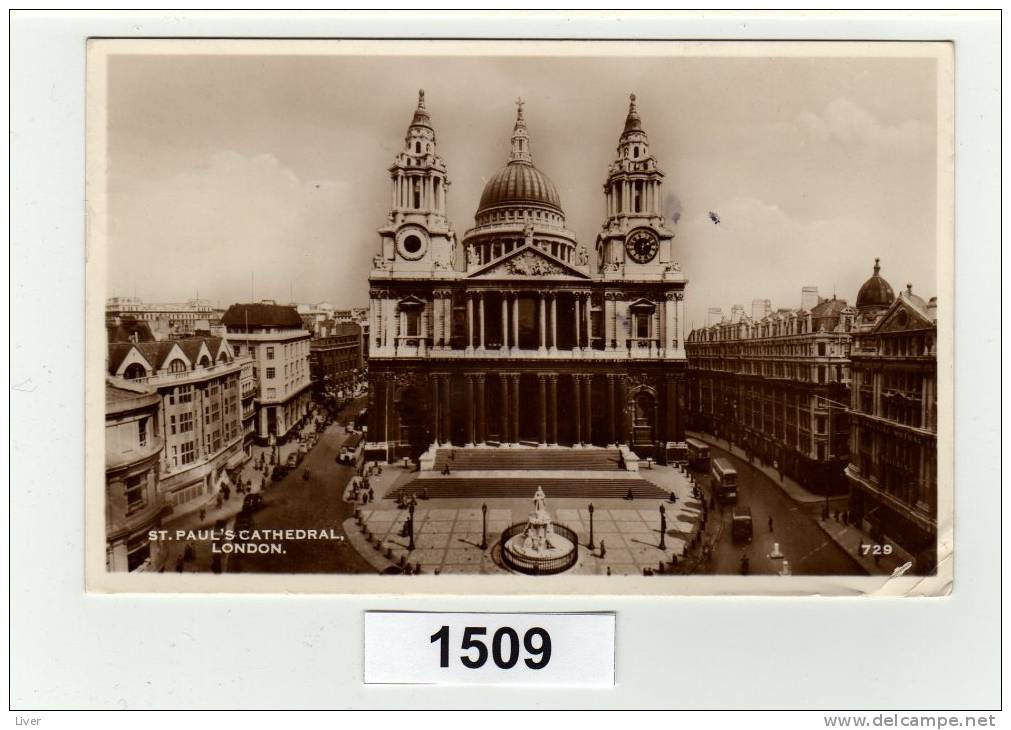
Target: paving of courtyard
(448,531)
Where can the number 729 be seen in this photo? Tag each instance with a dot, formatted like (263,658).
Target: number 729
(505,647)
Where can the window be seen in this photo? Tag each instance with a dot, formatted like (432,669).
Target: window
(641,324)
(142,432)
(237,350)
(134,490)
(172,425)
(135,371)
(185,422)
(270,353)
(271,372)
(188,452)
(821,349)
(185,393)
(251,351)
(177,366)
(413,322)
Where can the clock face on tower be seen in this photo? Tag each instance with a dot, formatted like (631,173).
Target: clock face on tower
(642,246)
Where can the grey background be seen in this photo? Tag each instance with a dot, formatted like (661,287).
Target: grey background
(74,650)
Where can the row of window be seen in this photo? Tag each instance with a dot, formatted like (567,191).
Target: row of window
(791,349)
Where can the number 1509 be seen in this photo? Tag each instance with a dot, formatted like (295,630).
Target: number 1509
(505,647)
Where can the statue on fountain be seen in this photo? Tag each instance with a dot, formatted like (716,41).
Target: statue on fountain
(538,548)
(537,537)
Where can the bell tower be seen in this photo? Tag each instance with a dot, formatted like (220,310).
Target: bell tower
(634,241)
(417,237)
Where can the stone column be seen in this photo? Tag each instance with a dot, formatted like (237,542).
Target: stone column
(577,388)
(622,424)
(505,323)
(480,318)
(589,320)
(504,415)
(611,410)
(447,423)
(577,311)
(471,412)
(470,321)
(542,383)
(542,323)
(554,322)
(436,411)
(515,378)
(588,408)
(553,406)
(516,320)
(480,408)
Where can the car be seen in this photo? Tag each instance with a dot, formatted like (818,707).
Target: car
(252,502)
(292,461)
(279,473)
(742,530)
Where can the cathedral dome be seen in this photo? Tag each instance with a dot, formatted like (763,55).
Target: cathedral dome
(876,292)
(519,184)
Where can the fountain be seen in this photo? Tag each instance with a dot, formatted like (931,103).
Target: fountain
(539,546)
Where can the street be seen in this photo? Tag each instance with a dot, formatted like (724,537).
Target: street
(801,541)
(314,503)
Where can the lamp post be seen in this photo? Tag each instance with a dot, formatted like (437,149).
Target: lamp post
(484,527)
(663,528)
(590,510)
(410,521)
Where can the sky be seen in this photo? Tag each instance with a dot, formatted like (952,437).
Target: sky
(239,177)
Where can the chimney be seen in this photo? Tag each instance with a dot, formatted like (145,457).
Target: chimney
(736,313)
(714,316)
(809,298)
(760,309)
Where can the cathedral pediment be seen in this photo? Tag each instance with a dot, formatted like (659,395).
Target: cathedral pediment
(528,262)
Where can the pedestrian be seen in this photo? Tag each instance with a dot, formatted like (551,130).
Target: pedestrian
(179,564)
(770,523)
(372,495)
(203,514)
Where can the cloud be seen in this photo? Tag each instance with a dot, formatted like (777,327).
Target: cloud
(234,217)
(845,124)
(760,250)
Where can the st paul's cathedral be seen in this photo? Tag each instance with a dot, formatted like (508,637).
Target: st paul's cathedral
(515,340)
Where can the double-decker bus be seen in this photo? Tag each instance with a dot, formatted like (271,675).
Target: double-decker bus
(724,480)
(698,454)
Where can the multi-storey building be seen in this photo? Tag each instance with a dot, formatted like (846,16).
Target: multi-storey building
(166,320)
(335,356)
(513,337)
(275,338)
(133,504)
(198,380)
(893,431)
(778,386)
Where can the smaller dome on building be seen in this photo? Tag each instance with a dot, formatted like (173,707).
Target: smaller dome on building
(876,292)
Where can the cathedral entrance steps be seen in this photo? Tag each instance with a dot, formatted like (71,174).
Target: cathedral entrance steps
(496,487)
(518,459)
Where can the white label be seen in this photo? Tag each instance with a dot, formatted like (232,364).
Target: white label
(542,649)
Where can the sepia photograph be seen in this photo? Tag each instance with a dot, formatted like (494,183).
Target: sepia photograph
(520,316)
